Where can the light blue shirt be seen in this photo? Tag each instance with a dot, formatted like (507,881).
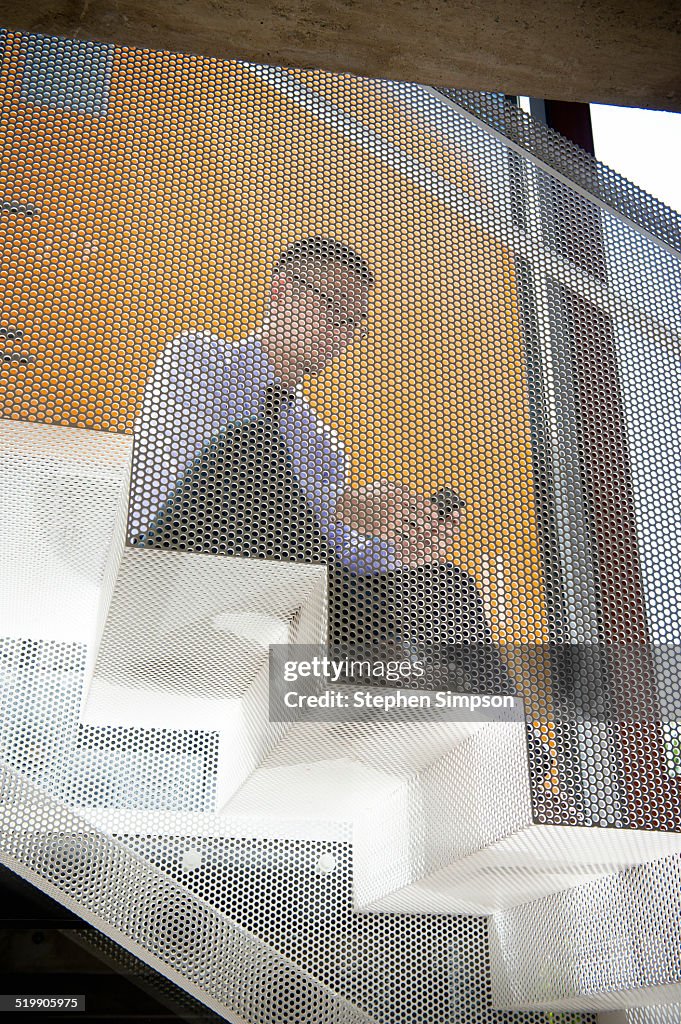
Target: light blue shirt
(201,385)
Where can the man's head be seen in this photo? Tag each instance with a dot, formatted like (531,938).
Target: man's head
(319,300)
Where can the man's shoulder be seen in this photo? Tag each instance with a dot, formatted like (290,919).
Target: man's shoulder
(201,339)
(195,351)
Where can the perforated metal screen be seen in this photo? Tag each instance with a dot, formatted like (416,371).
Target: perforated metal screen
(291,357)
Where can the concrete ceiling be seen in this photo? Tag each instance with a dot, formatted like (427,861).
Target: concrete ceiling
(607,51)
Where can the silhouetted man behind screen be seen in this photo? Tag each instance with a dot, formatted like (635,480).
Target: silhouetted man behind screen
(231,459)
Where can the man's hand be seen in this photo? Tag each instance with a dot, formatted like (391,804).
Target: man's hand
(407,519)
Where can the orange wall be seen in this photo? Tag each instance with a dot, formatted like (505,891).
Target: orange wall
(169,211)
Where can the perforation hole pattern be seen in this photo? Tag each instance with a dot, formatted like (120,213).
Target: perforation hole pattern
(347,324)
(318,303)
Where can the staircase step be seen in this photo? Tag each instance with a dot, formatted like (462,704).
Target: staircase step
(132,902)
(459,837)
(611,943)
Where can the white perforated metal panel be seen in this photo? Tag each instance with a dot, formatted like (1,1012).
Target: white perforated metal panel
(612,942)
(290,356)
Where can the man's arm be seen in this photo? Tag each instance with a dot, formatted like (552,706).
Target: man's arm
(320,464)
(187,400)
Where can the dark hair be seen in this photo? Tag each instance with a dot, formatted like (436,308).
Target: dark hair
(315,250)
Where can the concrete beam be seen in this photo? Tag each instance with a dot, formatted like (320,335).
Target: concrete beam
(602,51)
